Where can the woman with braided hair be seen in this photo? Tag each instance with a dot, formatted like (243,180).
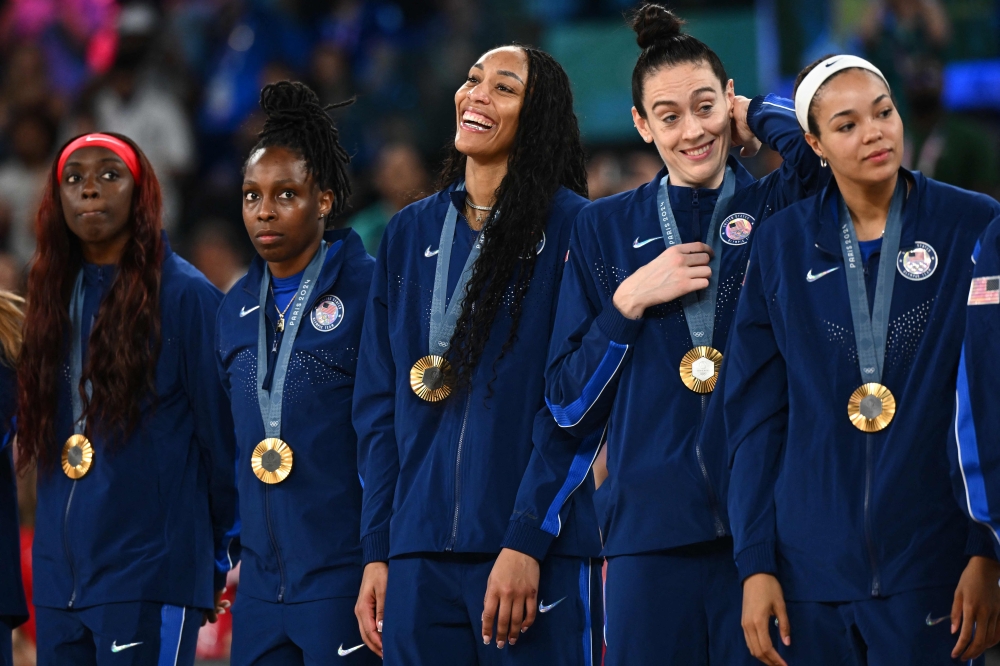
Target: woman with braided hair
(288,335)
(468,480)
(119,407)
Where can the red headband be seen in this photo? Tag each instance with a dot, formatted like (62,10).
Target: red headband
(117,146)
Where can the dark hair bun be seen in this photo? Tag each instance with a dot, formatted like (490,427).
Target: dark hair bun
(288,98)
(654,24)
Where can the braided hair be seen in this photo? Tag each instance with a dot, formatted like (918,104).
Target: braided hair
(296,120)
(545,155)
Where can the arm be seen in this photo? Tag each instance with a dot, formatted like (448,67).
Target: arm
(772,120)
(378,458)
(214,431)
(755,405)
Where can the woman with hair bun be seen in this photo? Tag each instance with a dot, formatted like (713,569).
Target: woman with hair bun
(840,390)
(651,285)
(119,407)
(468,481)
(288,335)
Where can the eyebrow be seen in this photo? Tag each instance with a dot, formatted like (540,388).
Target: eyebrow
(501,72)
(847,112)
(670,102)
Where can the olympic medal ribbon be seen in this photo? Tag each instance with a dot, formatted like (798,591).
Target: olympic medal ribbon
(872,406)
(430,377)
(275,457)
(77,452)
(699,306)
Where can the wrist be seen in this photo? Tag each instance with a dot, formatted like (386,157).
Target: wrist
(625,302)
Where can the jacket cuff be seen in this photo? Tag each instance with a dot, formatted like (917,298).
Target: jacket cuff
(617,326)
(980,542)
(375,547)
(752,112)
(527,539)
(755,559)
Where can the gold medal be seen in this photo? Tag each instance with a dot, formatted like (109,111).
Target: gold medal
(430,378)
(871,407)
(77,456)
(700,369)
(271,460)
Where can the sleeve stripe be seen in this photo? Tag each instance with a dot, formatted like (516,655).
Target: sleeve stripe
(572,414)
(780,106)
(968,454)
(578,470)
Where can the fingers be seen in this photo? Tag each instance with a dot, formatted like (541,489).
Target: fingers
(365,611)
(379,609)
(965,637)
(767,653)
(784,628)
(532,608)
(516,618)
(979,618)
(490,605)
(503,620)
(693,248)
(956,610)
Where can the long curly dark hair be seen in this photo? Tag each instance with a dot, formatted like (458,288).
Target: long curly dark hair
(545,155)
(296,120)
(124,341)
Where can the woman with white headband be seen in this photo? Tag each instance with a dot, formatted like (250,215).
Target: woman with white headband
(839,392)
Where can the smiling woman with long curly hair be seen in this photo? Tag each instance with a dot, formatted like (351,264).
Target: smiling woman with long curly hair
(121,409)
(466,473)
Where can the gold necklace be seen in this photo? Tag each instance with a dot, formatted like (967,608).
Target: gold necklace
(281,313)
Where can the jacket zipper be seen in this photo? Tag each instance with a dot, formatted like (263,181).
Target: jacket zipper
(274,542)
(720,529)
(458,476)
(69,554)
(870,542)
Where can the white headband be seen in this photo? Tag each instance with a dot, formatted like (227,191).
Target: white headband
(819,75)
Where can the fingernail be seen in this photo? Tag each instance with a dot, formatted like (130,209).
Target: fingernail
(500,645)
(787,640)
(380,626)
(486,640)
(953,628)
(523,629)
(512,641)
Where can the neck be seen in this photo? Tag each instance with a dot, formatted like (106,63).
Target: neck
(105,252)
(297,264)
(868,204)
(482,180)
(712,182)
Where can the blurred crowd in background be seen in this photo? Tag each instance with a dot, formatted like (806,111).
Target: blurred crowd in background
(182,78)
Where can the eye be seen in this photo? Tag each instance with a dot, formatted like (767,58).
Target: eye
(846,127)
(472,79)
(705,108)
(73,178)
(670,118)
(885,113)
(287,194)
(250,196)
(504,88)
(110,176)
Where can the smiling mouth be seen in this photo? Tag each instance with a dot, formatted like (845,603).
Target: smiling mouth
(476,122)
(700,151)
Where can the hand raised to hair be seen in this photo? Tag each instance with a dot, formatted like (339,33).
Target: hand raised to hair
(742,134)
(678,270)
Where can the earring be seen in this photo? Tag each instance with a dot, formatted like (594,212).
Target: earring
(822,162)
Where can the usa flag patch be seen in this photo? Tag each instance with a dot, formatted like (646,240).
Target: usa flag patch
(985,291)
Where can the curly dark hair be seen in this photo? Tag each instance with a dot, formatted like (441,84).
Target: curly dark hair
(124,341)
(296,120)
(545,155)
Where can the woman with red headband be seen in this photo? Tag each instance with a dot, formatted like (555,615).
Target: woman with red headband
(121,409)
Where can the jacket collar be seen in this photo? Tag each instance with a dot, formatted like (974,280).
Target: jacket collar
(743,178)
(345,244)
(828,215)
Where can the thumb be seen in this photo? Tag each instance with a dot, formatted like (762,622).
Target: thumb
(956,610)
(784,627)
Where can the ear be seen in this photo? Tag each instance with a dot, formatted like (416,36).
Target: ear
(641,126)
(730,96)
(814,143)
(326,199)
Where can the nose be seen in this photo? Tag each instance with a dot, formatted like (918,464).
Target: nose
(90,189)
(872,133)
(266,213)
(692,128)
(478,94)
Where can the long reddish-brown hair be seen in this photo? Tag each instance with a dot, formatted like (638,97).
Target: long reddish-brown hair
(124,341)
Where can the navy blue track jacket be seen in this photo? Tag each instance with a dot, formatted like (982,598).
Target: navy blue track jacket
(975,434)
(476,472)
(836,513)
(149,519)
(664,489)
(13,609)
(299,537)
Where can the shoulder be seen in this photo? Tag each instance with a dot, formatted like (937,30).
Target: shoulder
(790,223)
(406,220)
(608,211)
(183,282)
(955,199)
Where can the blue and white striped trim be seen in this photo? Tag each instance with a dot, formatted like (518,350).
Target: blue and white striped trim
(578,470)
(572,414)
(588,639)
(968,454)
(171,634)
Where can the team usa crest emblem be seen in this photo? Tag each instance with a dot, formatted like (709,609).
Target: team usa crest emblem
(736,228)
(327,314)
(917,263)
